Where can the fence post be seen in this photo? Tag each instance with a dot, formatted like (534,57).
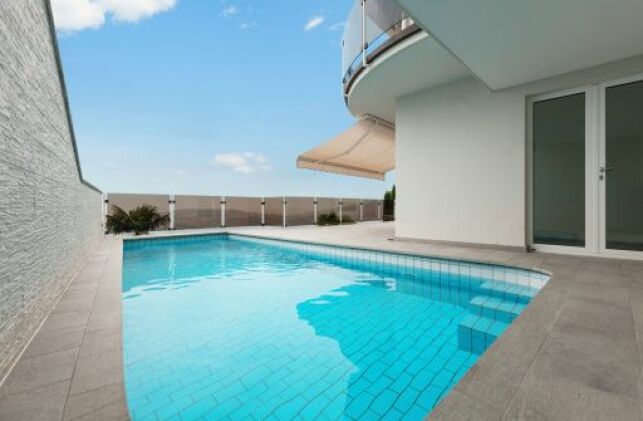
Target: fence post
(263,211)
(104,211)
(341,211)
(222,211)
(361,210)
(379,207)
(172,205)
(315,210)
(284,213)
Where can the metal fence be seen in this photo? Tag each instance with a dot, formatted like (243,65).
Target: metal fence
(189,212)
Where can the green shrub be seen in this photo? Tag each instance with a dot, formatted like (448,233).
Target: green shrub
(332,219)
(328,219)
(388,213)
(140,220)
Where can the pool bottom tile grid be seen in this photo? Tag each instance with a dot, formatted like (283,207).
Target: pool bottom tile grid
(240,329)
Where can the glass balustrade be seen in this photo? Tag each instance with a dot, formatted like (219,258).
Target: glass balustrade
(372,26)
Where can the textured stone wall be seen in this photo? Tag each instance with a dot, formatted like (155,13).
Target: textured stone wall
(49,218)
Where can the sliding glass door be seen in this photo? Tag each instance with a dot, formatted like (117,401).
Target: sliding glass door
(621,168)
(558,154)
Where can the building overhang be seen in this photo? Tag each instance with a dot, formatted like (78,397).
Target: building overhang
(366,149)
(507,42)
(414,64)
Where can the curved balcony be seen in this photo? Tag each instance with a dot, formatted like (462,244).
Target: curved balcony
(386,56)
(372,28)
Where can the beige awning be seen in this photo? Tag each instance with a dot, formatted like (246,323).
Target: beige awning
(366,149)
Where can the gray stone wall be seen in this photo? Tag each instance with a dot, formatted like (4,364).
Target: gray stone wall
(49,217)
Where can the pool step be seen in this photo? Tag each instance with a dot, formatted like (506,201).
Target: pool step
(477,333)
(510,292)
(496,308)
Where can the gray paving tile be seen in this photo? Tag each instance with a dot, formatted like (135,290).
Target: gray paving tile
(56,340)
(100,341)
(490,383)
(587,276)
(459,406)
(636,302)
(96,371)
(104,320)
(65,320)
(81,293)
(598,319)
(40,370)
(599,293)
(66,305)
(113,412)
(43,403)
(94,400)
(555,398)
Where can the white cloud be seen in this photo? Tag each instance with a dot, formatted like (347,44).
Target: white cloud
(181,173)
(247,25)
(313,23)
(247,162)
(76,15)
(229,11)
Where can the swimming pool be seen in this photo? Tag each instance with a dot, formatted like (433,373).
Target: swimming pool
(236,327)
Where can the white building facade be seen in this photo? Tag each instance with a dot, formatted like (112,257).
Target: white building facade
(515,123)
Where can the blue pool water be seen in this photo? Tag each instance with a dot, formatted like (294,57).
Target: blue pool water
(231,327)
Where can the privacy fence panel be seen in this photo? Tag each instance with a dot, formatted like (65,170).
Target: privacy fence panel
(127,202)
(300,211)
(350,209)
(194,212)
(242,211)
(197,212)
(326,205)
(274,211)
(370,210)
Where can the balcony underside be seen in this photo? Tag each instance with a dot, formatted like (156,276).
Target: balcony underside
(415,63)
(507,42)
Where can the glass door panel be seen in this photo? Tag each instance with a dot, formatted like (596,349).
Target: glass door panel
(559,171)
(623,170)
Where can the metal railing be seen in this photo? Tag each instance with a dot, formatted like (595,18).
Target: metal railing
(372,27)
(192,212)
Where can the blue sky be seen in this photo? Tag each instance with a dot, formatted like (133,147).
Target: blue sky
(206,96)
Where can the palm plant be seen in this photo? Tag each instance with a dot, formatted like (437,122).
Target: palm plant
(140,220)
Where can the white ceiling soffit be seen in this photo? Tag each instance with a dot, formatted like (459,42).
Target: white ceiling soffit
(414,65)
(366,149)
(511,42)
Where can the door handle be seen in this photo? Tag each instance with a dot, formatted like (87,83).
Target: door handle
(603,170)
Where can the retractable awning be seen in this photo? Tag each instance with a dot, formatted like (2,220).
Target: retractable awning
(366,149)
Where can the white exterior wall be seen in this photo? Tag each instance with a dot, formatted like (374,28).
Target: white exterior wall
(461,158)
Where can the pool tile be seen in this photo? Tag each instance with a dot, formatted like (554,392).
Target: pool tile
(384,343)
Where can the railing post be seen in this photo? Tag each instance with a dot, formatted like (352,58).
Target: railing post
(284,213)
(222,211)
(341,211)
(315,210)
(104,211)
(172,208)
(364,43)
(263,211)
(361,210)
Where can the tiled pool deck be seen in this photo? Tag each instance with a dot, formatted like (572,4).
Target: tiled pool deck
(575,352)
